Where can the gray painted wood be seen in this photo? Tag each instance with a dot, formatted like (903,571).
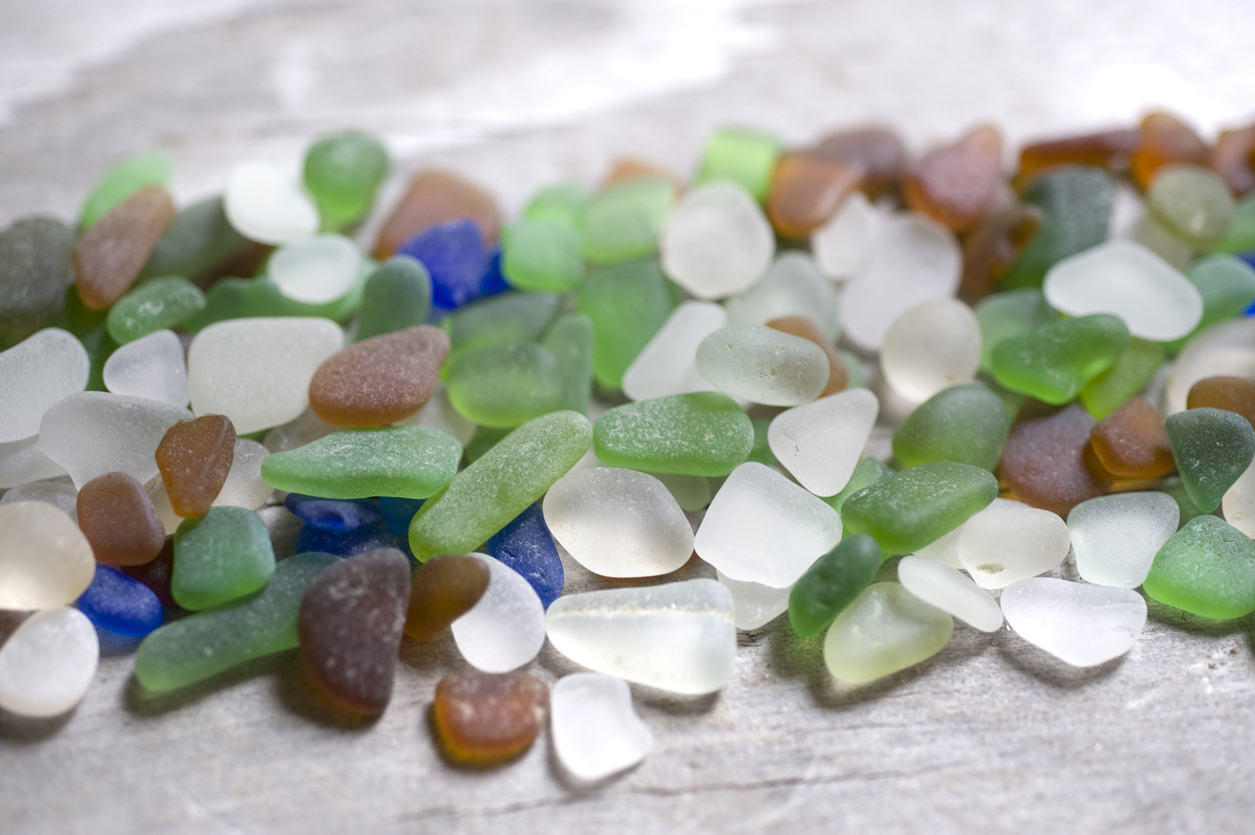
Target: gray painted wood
(991,735)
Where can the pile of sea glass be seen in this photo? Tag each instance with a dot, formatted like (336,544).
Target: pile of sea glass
(623,377)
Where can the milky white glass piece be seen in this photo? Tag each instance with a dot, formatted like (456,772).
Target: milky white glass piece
(151,367)
(266,205)
(596,731)
(23,461)
(679,637)
(34,374)
(756,604)
(1116,537)
(440,415)
(944,587)
(820,443)
(1079,623)
(506,628)
(885,629)
(48,663)
(94,432)
(45,561)
(763,528)
(257,371)
(1224,349)
(316,270)
(244,486)
(1126,279)
(944,549)
(913,260)
(716,241)
(763,365)
(59,492)
(1009,540)
(618,523)
(667,364)
(843,245)
(793,287)
(931,347)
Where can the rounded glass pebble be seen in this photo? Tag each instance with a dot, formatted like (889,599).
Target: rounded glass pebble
(763,365)
(755,604)
(506,628)
(1009,540)
(667,364)
(316,270)
(1116,537)
(937,583)
(45,561)
(265,205)
(47,665)
(1224,349)
(793,287)
(120,604)
(245,486)
(60,493)
(930,347)
(35,374)
(596,732)
(885,630)
(151,367)
(843,245)
(1082,624)
(820,443)
(1192,202)
(716,241)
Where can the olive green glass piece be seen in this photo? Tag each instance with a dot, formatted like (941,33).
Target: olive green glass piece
(1212,447)
(1054,362)
(1127,376)
(154,305)
(832,583)
(1012,313)
(966,423)
(1076,204)
(396,296)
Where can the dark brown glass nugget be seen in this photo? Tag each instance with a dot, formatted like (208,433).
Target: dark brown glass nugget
(444,589)
(119,520)
(109,256)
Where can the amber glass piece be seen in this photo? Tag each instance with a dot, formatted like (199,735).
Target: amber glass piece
(805,191)
(995,245)
(1233,394)
(350,628)
(1109,149)
(1233,159)
(194,458)
(109,256)
(486,718)
(435,197)
(444,589)
(624,169)
(380,380)
(1132,442)
(1048,462)
(877,155)
(957,185)
(805,327)
(1164,140)
(119,520)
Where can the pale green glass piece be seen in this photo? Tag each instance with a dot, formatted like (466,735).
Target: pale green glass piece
(628,304)
(221,557)
(197,647)
(154,168)
(763,365)
(559,203)
(1008,314)
(36,267)
(691,492)
(506,385)
(1227,285)
(1192,203)
(198,241)
(507,319)
(411,462)
(885,630)
(623,222)
(1076,203)
(1240,236)
(966,423)
(500,485)
(704,434)
(342,173)
(743,156)
(541,256)
(570,340)
(761,451)
(854,366)
(1054,362)
(396,296)
(152,306)
(1127,376)
(1207,568)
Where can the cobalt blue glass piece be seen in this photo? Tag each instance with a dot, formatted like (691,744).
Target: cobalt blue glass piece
(1248,257)
(455,258)
(352,543)
(120,604)
(339,515)
(398,513)
(493,283)
(527,546)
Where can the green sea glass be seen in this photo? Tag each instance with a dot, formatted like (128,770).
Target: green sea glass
(220,557)
(704,433)
(342,173)
(966,423)
(1213,447)
(1207,568)
(832,583)
(154,305)
(396,296)
(1054,362)
(1127,376)
(743,156)
(1076,204)
(628,304)
(542,256)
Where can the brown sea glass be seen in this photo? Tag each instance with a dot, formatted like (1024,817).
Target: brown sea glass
(350,628)
(957,185)
(380,380)
(877,155)
(1233,159)
(1164,140)
(444,589)
(194,458)
(1109,149)
(1132,442)
(995,245)
(805,327)
(109,256)
(119,520)
(487,718)
(805,191)
(1048,461)
(1233,394)
(435,197)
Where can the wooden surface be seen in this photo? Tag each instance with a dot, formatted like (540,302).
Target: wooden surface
(991,735)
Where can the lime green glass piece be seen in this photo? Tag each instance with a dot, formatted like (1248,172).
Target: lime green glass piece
(966,423)
(1176,489)
(854,366)
(411,462)
(486,437)
(153,168)
(832,583)
(1207,568)
(1012,313)
(910,509)
(1240,236)
(705,433)
(1076,204)
(570,340)
(560,203)
(510,318)
(499,486)
(153,305)
(1213,447)
(623,222)
(342,173)
(866,473)
(1192,203)
(542,256)
(221,557)
(1127,376)
(1054,362)
(396,296)
(1227,285)
(197,647)
(761,451)
(506,385)
(743,156)
(628,304)
(91,328)
(198,241)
